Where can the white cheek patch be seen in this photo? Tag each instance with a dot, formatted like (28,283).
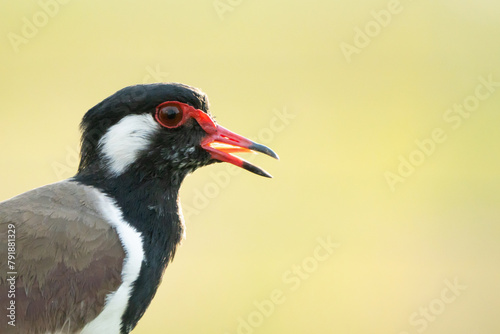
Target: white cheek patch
(123,142)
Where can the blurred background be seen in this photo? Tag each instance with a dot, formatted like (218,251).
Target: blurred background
(383,214)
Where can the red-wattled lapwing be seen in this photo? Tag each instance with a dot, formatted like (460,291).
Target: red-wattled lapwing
(86,255)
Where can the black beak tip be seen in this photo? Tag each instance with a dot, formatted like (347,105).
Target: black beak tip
(274,155)
(256,170)
(264,149)
(268,175)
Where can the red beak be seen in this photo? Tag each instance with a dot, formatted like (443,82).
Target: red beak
(221,142)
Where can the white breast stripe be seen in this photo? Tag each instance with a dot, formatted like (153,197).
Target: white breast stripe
(123,141)
(109,320)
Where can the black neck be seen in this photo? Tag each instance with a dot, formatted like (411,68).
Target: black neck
(150,205)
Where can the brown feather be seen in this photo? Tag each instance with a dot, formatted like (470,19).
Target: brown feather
(68,259)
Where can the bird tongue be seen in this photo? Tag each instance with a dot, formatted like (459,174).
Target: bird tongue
(221,143)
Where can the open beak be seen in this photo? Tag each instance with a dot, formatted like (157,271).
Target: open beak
(222,142)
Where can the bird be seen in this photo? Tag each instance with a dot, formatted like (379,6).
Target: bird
(87,254)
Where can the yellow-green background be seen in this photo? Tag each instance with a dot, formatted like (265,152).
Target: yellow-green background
(353,120)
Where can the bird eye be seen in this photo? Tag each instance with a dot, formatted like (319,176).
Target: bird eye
(169,116)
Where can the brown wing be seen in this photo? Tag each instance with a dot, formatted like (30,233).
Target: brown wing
(67,259)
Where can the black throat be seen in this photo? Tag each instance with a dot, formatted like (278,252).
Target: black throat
(149,204)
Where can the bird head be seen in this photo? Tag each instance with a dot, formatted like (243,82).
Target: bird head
(159,130)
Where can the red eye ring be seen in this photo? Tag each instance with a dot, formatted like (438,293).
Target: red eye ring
(172,114)
(169,115)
